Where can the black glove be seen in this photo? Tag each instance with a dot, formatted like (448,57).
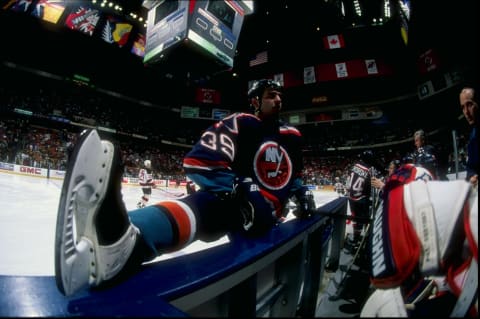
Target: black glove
(258,215)
(305,202)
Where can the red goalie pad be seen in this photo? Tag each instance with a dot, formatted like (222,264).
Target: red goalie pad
(395,247)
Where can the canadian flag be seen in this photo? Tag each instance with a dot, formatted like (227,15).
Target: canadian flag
(334,41)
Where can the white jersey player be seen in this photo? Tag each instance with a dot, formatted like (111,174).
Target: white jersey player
(145,179)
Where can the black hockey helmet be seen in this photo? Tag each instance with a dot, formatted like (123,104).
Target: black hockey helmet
(367,157)
(259,86)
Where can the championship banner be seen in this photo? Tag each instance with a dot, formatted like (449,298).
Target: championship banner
(428,61)
(116,31)
(371,66)
(309,75)
(358,68)
(49,10)
(207,96)
(352,69)
(341,69)
(83,19)
(138,47)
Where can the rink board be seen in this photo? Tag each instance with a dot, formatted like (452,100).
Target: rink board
(224,280)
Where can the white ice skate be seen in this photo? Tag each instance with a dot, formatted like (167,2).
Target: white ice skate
(94,237)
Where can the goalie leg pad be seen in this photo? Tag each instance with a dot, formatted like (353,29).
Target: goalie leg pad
(395,248)
(420,225)
(463,278)
(448,200)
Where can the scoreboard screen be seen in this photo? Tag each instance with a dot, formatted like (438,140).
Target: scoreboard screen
(216,28)
(212,25)
(167,24)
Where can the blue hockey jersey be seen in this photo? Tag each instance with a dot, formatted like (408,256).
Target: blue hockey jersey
(242,145)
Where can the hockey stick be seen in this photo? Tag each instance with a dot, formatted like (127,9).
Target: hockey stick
(170,193)
(363,241)
(350,265)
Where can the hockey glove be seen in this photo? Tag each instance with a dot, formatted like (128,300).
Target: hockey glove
(258,215)
(305,202)
(405,174)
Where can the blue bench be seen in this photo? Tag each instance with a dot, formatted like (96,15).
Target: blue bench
(277,274)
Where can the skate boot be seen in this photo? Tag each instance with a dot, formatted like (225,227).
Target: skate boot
(94,237)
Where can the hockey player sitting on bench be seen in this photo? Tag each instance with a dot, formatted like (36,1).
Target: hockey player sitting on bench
(247,167)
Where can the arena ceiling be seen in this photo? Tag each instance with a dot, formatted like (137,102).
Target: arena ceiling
(291,31)
(285,23)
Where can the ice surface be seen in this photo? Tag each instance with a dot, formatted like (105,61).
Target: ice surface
(28,218)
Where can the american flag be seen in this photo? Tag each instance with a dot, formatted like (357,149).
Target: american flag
(259,58)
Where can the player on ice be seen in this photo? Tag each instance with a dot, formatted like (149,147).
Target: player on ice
(145,179)
(246,167)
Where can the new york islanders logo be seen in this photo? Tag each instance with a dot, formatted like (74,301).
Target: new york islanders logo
(273,166)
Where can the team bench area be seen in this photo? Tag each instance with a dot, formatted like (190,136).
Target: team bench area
(276,275)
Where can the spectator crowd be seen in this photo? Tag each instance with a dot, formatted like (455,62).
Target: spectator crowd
(40,123)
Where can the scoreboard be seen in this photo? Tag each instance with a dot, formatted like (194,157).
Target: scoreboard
(212,25)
